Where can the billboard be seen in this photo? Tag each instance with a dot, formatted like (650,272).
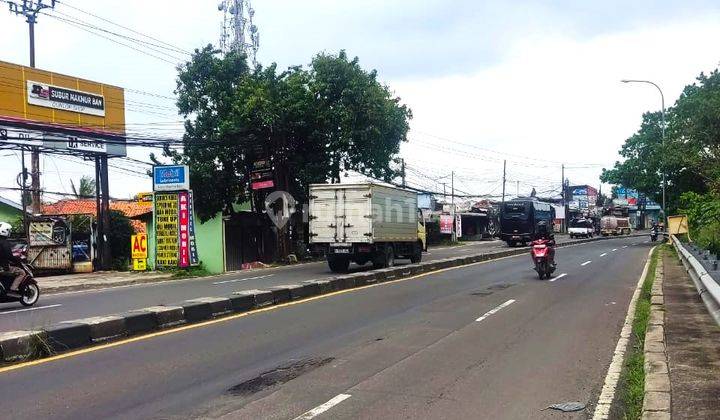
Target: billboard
(41,96)
(56,111)
(171,178)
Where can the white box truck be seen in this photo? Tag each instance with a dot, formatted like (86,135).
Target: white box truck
(365,222)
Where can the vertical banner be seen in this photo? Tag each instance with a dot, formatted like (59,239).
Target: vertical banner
(446,224)
(166,229)
(184,229)
(194,259)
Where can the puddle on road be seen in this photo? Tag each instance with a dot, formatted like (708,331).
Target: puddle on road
(278,376)
(501,286)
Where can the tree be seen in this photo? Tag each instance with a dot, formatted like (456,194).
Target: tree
(312,124)
(119,238)
(86,187)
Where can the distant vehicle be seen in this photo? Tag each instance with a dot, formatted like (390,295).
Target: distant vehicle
(365,222)
(519,218)
(613,225)
(581,228)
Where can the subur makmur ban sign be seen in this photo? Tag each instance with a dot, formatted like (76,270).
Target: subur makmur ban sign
(171,178)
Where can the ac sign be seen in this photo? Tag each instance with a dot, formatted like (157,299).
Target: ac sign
(138,245)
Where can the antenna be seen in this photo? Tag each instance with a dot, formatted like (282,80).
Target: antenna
(239,33)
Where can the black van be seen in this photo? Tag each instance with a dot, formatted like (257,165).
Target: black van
(519,219)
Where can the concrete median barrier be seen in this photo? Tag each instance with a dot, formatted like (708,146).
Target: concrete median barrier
(67,336)
(196,310)
(281,294)
(242,302)
(103,328)
(139,322)
(21,345)
(261,298)
(166,316)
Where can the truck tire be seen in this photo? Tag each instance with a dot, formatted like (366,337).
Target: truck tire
(338,264)
(389,257)
(416,257)
(384,258)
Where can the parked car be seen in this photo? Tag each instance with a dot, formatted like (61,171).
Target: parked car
(581,228)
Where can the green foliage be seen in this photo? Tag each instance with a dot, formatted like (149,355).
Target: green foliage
(313,123)
(119,239)
(703,212)
(86,187)
(690,154)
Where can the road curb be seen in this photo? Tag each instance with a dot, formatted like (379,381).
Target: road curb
(657,397)
(17,346)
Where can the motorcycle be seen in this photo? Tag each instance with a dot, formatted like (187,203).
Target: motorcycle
(653,235)
(542,252)
(28,292)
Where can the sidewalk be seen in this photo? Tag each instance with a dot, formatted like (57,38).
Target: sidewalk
(97,280)
(693,347)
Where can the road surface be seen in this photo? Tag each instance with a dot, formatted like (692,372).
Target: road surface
(483,341)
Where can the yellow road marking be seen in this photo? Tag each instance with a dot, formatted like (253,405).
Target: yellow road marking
(237,316)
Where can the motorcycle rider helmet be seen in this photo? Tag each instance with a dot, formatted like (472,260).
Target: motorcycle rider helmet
(542,227)
(5,229)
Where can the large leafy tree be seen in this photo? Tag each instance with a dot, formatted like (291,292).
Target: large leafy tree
(312,123)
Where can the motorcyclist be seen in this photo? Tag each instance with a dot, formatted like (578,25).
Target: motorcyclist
(6,258)
(543,231)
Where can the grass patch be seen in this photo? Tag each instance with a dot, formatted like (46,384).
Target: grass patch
(184,273)
(632,378)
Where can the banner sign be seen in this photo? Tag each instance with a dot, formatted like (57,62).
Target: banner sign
(138,246)
(194,259)
(166,230)
(19,136)
(171,178)
(446,224)
(184,230)
(458,223)
(262,184)
(56,97)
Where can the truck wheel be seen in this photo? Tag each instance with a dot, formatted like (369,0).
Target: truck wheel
(417,254)
(338,265)
(389,257)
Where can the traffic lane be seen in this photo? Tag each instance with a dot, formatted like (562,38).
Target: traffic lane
(179,371)
(184,369)
(547,343)
(74,305)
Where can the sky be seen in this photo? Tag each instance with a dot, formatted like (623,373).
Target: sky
(533,83)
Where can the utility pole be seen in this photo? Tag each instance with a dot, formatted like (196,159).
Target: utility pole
(30,9)
(402,171)
(504,167)
(452,197)
(562,194)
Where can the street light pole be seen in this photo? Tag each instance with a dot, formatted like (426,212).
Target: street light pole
(662,128)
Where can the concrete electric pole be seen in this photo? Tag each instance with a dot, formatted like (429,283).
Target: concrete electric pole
(30,9)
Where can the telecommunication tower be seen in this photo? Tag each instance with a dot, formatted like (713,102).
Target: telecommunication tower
(239,33)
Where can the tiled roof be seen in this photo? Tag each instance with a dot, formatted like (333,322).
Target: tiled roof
(129,208)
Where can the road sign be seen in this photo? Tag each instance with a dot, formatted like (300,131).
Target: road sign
(138,246)
(171,178)
(13,135)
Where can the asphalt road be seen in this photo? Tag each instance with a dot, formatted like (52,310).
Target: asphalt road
(74,305)
(481,341)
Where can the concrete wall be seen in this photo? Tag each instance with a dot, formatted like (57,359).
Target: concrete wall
(210,243)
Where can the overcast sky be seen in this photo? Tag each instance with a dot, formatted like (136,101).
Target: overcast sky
(535,83)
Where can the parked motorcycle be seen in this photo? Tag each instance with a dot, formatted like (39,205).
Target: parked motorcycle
(28,292)
(542,252)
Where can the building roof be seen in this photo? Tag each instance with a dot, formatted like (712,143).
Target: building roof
(129,208)
(11,204)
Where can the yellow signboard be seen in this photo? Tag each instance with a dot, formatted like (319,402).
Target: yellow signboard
(138,246)
(678,225)
(166,229)
(139,264)
(46,97)
(144,199)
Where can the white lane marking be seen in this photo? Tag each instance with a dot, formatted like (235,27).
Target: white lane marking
(607,395)
(614,249)
(323,407)
(241,280)
(603,254)
(495,309)
(31,309)
(558,277)
(586,263)
(624,246)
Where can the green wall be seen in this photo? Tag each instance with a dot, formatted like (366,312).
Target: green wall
(9,214)
(209,237)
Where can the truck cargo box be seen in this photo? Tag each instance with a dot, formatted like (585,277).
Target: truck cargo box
(362,213)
